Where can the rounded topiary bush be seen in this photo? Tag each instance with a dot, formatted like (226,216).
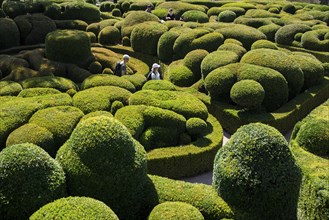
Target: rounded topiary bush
(116,12)
(159,137)
(226,16)
(217,59)
(286,34)
(59,120)
(10,35)
(238,49)
(289,8)
(314,40)
(255,173)
(29,179)
(166,42)
(270,31)
(180,75)
(219,83)
(247,93)
(281,62)
(195,16)
(75,208)
(10,88)
(68,46)
(116,105)
(35,134)
(314,137)
(175,211)
(264,44)
(193,60)
(196,126)
(60,83)
(32,92)
(95,67)
(145,37)
(109,35)
(92,161)
(159,85)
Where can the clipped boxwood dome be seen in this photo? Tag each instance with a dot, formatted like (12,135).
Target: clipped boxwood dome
(92,161)
(180,75)
(196,126)
(264,44)
(10,88)
(10,35)
(314,137)
(159,85)
(166,42)
(109,35)
(29,179)
(82,208)
(144,37)
(68,46)
(32,92)
(195,16)
(280,61)
(35,134)
(286,34)
(175,211)
(255,173)
(226,16)
(247,93)
(193,61)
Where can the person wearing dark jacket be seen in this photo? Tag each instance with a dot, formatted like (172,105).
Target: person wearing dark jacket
(170,15)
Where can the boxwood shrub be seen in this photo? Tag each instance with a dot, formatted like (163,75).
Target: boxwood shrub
(239,50)
(109,35)
(193,60)
(30,178)
(314,40)
(93,156)
(166,42)
(286,34)
(10,35)
(75,207)
(10,88)
(195,16)
(159,85)
(32,92)
(175,211)
(107,80)
(226,16)
(256,174)
(134,18)
(180,75)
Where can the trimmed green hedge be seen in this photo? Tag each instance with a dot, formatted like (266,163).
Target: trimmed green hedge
(314,40)
(59,120)
(135,18)
(255,172)
(180,75)
(75,208)
(286,34)
(264,44)
(195,16)
(107,80)
(175,211)
(10,35)
(193,61)
(29,179)
(100,98)
(109,35)
(159,85)
(93,156)
(201,196)
(239,50)
(10,88)
(190,159)
(32,92)
(226,16)
(166,42)
(60,83)
(180,7)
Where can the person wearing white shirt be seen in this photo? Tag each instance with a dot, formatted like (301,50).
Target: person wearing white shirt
(154,74)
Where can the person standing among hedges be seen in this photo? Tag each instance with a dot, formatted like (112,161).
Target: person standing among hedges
(154,74)
(121,67)
(149,8)
(170,15)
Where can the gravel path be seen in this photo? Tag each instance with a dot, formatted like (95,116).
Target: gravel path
(206,178)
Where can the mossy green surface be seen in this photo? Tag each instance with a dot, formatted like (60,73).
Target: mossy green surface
(83,208)
(30,178)
(10,88)
(60,83)
(107,80)
(32,92)
(159,85)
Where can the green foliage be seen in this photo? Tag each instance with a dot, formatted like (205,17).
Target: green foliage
(180,7)
(96,114)
(100,98)
(264,44)
(217,59)
(313,136)
(75,208)
(239,50)
(71,24)
(109,35)
(157,137)
(312,40)
(311,67)
(248,93)
(256,174)
(95,67)
(59,120)
(180,75)
(217,10)
(245,34)
(243,5)
(175,211)
(253,22)
(10,35)
(32,92)
(219,83)
(137,80)
(289,8)
(226,16)
(286,34)
(9,88)
(136,6)
(93,156)
(116,12)
(280,61)
(106,6)
(14,8)
(30,178)
(35,134)
(107,80)
(209,42)
(34,28)
(201,196)
(68,46)
(269,31)
(193,60)
(145,37)
(134,18)
(195,16)
(180,102)
(196,126)
(59,83)
(116,105)
(166,42)
(159,85)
